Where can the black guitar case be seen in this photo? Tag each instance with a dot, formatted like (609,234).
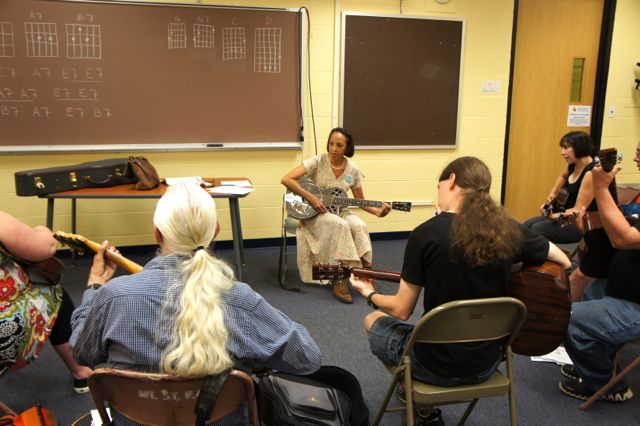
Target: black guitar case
(110,172)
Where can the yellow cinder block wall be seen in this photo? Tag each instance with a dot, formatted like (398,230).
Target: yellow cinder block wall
(390,175)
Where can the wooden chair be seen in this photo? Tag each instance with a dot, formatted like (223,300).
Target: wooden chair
(165,399)
(459,321)
(615,378)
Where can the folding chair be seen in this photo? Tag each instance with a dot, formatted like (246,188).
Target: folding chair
(460,321)
(289,226)
(166,399)
(615,378)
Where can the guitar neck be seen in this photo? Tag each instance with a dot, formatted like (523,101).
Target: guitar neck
(345,201)
(78,242)
(393,277)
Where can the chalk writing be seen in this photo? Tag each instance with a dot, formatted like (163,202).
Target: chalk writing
(7,47)
(177,35)
(203,35)
(233,43)
(42,39)
(84,41)
(7,72)
(267,56)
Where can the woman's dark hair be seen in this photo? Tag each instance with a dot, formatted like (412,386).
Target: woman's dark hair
(581,143)
(482,232)
(351,149)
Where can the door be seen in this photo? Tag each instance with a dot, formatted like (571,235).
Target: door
(552,36)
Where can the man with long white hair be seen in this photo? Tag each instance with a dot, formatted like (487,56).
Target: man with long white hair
(184,313)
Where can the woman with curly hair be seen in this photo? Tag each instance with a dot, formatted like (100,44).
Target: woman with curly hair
(465,252)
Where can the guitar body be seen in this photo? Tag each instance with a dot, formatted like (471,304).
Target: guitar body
(45,272)
(333,198)
(299,208)
(544,290)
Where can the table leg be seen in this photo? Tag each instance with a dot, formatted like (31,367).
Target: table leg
(236,229)
(50,213)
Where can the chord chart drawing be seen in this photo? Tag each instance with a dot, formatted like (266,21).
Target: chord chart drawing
(84,41)
(7,47)
(267,55)
(233,43)
(203,35)
(177,35)
(42,39)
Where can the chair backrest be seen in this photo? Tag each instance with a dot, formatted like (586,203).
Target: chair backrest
(166,399)
(471,320)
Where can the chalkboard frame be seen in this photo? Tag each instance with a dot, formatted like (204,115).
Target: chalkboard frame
(361,136)
(300,64)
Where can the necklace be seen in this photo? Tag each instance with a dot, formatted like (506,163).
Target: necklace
(344,160)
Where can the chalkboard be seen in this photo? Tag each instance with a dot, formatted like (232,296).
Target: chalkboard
(401,80)
(108,75)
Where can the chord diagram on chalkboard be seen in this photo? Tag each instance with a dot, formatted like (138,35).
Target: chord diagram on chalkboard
(177,35)
(7,47)
(267,55)
(233,43)
(42,39)
(203,35)
(84,41)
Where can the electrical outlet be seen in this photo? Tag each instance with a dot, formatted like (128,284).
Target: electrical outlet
(612,111)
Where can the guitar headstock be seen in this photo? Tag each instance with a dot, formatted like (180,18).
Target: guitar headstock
(403,206)
(325,271)
(607,158)
(73,241)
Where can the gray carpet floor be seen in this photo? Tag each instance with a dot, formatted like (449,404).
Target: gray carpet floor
(338,330)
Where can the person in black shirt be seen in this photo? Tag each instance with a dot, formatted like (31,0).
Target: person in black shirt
(465,252)
(605,320)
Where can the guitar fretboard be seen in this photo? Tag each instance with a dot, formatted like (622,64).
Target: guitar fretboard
(345,201)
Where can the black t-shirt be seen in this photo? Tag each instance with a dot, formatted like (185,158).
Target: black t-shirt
(428,262)
(622,280)
(574,188)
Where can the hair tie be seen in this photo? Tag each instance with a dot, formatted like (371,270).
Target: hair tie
(198,248)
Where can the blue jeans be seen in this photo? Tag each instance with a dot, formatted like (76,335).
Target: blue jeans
(388,339)
(599,326)
(553,231)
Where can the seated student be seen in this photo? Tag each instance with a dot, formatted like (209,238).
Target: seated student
(184,313)
(465,252)
(577,150)
(32,313)
(604,321)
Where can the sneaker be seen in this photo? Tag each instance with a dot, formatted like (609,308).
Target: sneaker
(569,372)
(80,386)
(429,417)
(578,390)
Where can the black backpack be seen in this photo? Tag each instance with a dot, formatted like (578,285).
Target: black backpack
(330,397)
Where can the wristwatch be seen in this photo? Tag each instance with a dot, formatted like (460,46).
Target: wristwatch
(370,300)
(94,286)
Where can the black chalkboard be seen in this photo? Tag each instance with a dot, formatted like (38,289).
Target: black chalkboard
(401,80)
(100,74)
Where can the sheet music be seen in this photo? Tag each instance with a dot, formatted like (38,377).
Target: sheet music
(242,182)
(232,190)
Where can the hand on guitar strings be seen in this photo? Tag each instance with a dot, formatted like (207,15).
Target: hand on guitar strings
(318,205)
(102,270)
(363,286)
(601,178)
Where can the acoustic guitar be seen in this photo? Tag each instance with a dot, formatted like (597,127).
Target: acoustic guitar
(544,290)
(80,244)
(46,272)
(334,198)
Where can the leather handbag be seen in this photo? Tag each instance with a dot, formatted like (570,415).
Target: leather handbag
(143,171)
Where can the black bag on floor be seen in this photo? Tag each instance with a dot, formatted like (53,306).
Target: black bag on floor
(332,396)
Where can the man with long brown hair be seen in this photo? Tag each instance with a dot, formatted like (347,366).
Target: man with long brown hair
(465,252)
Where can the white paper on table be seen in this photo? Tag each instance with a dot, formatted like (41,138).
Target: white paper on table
(95,417)
(189,179)
(243,183)
(232,190)
(558,355)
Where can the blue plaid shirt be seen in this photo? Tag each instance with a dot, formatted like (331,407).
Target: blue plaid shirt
(119,324)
